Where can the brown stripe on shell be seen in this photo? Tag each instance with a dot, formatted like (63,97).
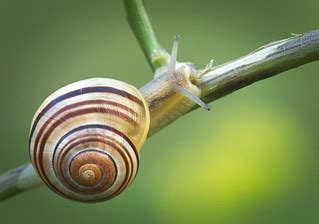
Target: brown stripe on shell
(75,105)
(94,127)
(67,147)
(128,167)
(131,177)
(38,158)
(81,91)
(84,176)
(109,170)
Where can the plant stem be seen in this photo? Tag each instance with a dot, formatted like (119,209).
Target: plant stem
(143,30)
(262,63)
(222,80)
(18,180)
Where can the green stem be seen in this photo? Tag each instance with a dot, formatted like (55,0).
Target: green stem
(216,82)
(266,61)
(143,30)
(18,180)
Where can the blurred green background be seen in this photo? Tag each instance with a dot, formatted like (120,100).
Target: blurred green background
(254,159)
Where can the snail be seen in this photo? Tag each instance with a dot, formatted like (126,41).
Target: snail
(85,138)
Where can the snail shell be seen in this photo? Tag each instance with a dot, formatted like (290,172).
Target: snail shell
(85,138)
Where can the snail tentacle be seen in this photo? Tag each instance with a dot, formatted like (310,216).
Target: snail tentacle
(178,87)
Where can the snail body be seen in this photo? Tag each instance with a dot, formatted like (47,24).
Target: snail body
(85,138)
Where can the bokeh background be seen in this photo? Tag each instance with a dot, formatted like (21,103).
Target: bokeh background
(253,159)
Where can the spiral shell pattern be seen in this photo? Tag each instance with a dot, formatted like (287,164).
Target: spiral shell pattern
(85,138)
